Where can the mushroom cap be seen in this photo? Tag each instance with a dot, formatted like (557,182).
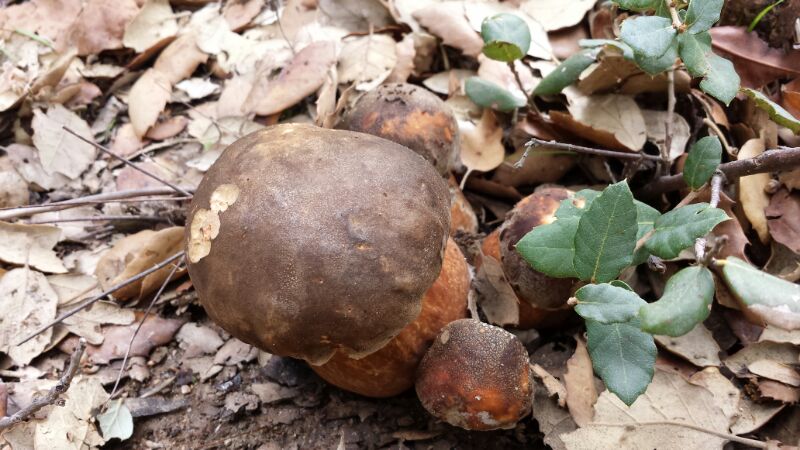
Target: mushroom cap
(391,370)
(303,241)
(475,376)
(530,285)
(409,115)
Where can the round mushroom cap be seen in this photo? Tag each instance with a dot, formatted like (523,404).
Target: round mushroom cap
(530,285)
(411,116)
(392,369)
(303,241)
(475,376)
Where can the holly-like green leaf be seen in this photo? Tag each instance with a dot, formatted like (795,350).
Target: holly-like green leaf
(623,355)
(637,5)
(566,73)
(721,80)
(648,36)
(575,206)
(656,65)
(506,37)
(704,158)
(678,229)
(685,303)
(607,303)
(776,113)
(774,300)
(606,235)
(627,52)
(702,14)
(646,217)
(489,95)
(550,248)
(694,50)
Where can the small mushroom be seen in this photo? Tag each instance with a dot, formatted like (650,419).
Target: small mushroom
(475,376)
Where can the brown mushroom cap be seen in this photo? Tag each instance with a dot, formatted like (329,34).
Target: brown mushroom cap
(391,370)
(303,241)
(475,376)
(462,216)
(531,285)
(411,116)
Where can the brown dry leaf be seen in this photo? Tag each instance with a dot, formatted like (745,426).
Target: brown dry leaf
(235,352)
(778,391)
(30,245)
(326,100)
(168,128)
(154,23)
(613,121)
(49,19)
(754,415)
(88,322)
(180,59)
(499,73)
(728,395)
(367,61)
(13,188)
(27,302)
(482,143)
(239,14)
(557,14)
(26,160)
(125,141)
(774,334)
(780,353)
(60,151)
(580,385)
(775,371)
(752,191)
(197,340)
(14,84)
(783,219)
(136,253)
(554,387)
(448,21)
(790,97)
(299,79)
(72,426)
(496,297)
(442,82)
(554,420)
(668,398)
(148,97)
(756,62)
(404,67)
(790,179)
(101,25)
(697,346)
(73,287)
(655,123)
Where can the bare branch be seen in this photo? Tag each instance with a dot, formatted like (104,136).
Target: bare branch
(102,295)
(101,219)
(700,243)
(534,142)
(665,150)
(53,394)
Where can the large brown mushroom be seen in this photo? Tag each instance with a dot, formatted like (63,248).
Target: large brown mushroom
(411,116)
(304,241)
(391,370)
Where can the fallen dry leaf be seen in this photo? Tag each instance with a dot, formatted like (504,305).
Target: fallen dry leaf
(197,340)
(755,61)
(367,61)
(555,14)
(404,67)
(613,121)
(554,387)
(783,219)
(235,352)
(72,287)
(126,142)
(448,21)
(13,188)
(753,415)
(88,323)
(482,143)
(774,390)
(101,25)
(655,123)
(26,161)
(168,128)
(300,78)
(580,385)
(496,297)
(27,302)
(752,191)
(72,426)
(239,14)
(135,253)
(148,97)
(697,346)
(724,391)
(180,59)
(30,245)
(774,334)
(49,19)
(60,151)
(775,371)
(780,353)
(499,73)
(154,23)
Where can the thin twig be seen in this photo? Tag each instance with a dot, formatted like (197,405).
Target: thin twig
(673,12)
(53,395)
(710,124)
(124,160)
(676,423)
(102,295)
(667,148)
(534,142)
(24,211)
(139,327)
(100,219)
(531,104)
(782,159)
(700,243)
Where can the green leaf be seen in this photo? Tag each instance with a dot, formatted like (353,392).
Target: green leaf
(649,36)
(702,14)
(606,303)
(646,217)
(550,248)
(704,158)
(778,115)
(627,52)
(764,12)
(774,300)
(623,355)
(678,229)
(489,95)
(694,50)
(575,206)
(721,80)
(116,422)
(685,303)
(566,73)
(656,65)
(606,235)
(506,37)
(637,5)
